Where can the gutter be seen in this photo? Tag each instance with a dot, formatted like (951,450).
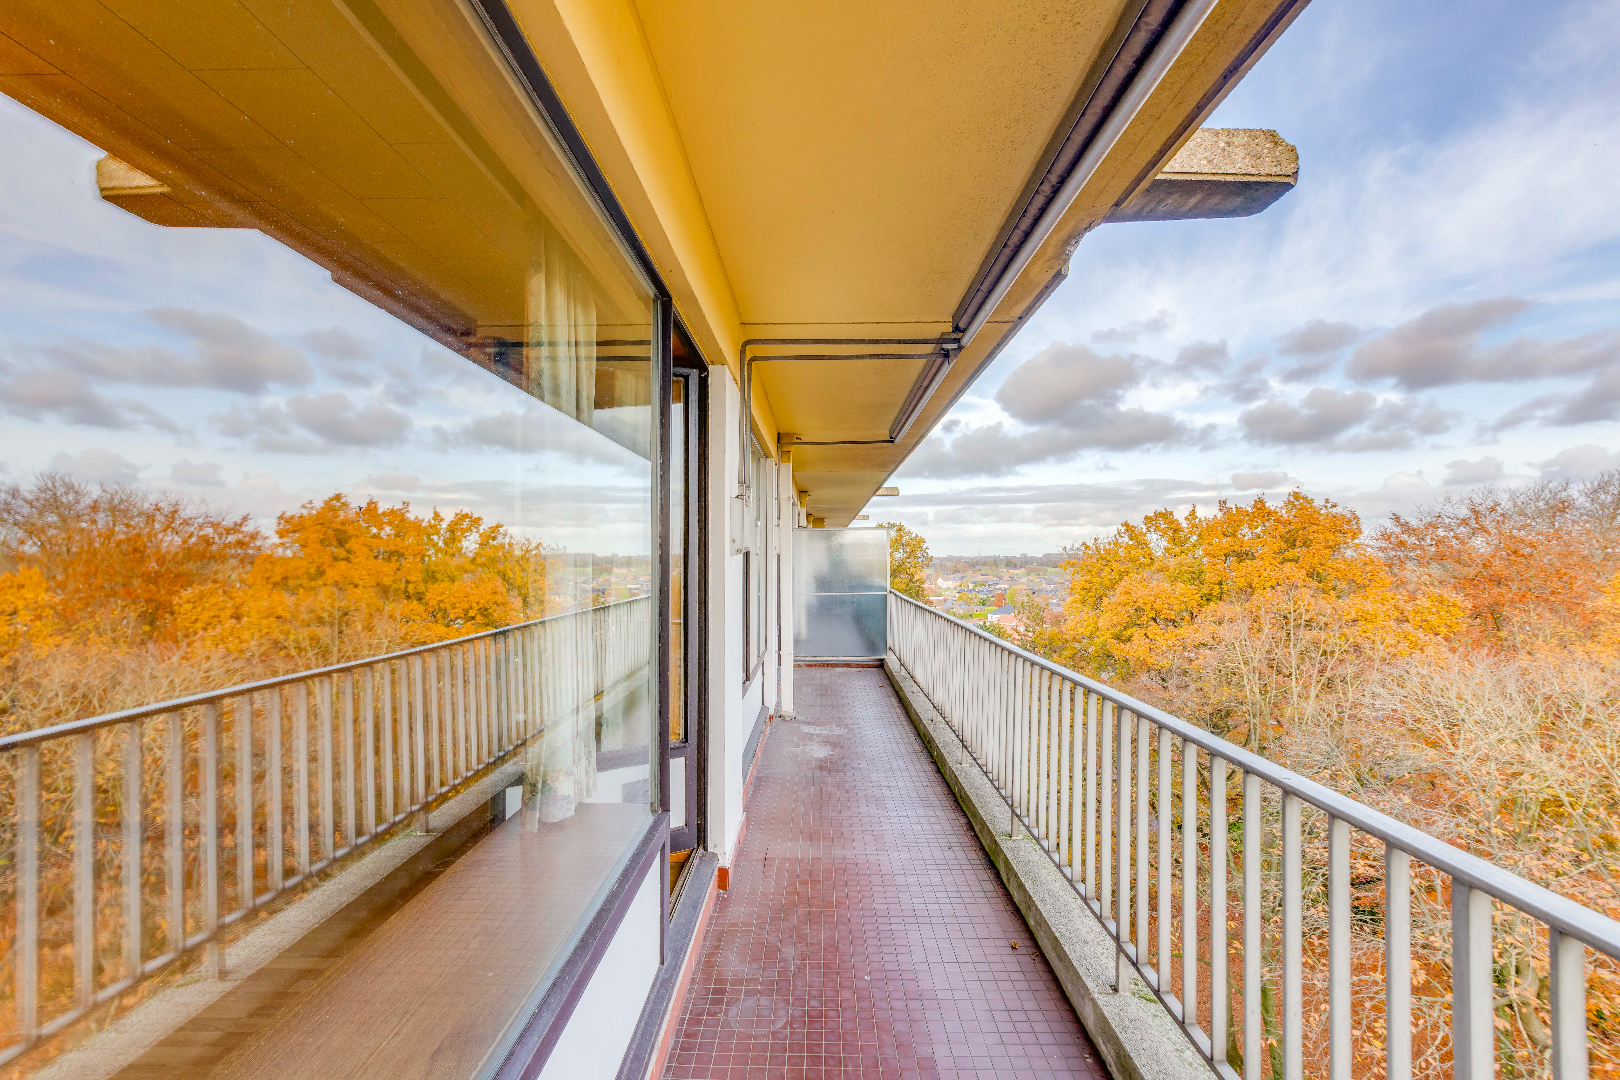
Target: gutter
(1160,37)
(1019,251)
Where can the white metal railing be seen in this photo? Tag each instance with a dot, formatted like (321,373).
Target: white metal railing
(117,870)
(1091,773)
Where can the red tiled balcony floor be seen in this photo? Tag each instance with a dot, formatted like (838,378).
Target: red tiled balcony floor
(866,933)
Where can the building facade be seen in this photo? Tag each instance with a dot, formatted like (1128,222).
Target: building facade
(409,405)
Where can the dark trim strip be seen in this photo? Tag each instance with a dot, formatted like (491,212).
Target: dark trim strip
(663,386)
(509,36)
(752,747)
(1268,33)
(1099,97)
(539,1036)
(657,1014)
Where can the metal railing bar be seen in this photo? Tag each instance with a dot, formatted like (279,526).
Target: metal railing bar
(1293,967)
(28,897)
(1253,1030)
(1189,881)
(84,867)
(1567,979)
(1219,952)
(1595,929)
(134,834)
(242,713)
(275,817)
(208,794)
(1339,1048)
(1472,968)
(368,748)
(1397,963)
(141,712)
(174,827)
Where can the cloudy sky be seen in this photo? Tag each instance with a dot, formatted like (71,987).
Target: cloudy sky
(1433,307)
(217,363)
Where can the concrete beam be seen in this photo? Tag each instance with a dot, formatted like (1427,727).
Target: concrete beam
(1219,173)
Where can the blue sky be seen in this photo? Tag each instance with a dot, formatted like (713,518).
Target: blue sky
(1433,307)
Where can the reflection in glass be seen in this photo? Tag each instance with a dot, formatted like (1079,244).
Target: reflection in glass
(677,560)
(317,355)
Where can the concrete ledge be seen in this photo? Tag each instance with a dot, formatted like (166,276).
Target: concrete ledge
(1219,173)
(1134,1035)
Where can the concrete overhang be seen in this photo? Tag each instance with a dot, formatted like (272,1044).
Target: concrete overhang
(850,180)
(876,196)
(1220,173)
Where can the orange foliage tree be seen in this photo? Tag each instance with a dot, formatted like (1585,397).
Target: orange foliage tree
(113,595)
(1460,670)
(1529,565)
(347,580)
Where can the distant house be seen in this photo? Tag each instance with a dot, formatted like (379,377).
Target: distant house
(1003,616)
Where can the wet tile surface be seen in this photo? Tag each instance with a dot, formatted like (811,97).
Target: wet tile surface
(866,933)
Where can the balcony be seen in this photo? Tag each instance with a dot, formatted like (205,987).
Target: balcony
(1202,909)
(1157,902)
(259,879)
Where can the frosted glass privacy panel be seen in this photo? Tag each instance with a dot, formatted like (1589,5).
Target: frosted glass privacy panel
(840,586)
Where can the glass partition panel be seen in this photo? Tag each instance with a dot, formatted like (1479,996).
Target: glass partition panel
(326,539)
(840,593)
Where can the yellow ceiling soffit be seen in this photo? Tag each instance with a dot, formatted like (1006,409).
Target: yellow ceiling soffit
(597,59)
(1234,36)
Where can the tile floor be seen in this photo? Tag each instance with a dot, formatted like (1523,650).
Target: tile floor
(866,933)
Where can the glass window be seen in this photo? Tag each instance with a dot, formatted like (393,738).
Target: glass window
(679,457)
(759,561)
(320,371)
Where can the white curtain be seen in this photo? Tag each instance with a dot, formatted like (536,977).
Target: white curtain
(561,328)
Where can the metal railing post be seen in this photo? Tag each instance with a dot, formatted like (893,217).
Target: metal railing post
(1397,963)
(1053,756)
(1472,1032)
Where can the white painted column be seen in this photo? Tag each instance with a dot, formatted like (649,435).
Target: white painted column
(787,518)
(724,629)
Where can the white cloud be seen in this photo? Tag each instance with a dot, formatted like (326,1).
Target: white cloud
(198,473)
(1578,461)
(1486,470)
(393,481)
(1259,481)
(97,465)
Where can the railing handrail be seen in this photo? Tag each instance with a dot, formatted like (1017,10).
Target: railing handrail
(39,736)
(1567,916)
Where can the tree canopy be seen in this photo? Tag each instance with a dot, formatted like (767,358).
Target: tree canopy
(908,559)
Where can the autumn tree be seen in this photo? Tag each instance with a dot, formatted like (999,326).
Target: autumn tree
(85,562)
(115,595)
(1528,565)
(908,559)
(347,579)
(1459,670)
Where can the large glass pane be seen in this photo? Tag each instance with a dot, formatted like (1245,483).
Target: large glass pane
(840,588)
(316,356)
(678,457)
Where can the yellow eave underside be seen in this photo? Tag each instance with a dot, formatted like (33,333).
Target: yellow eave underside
(844,169)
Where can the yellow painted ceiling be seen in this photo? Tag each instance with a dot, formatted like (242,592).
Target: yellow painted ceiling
(857,163)
(856,160)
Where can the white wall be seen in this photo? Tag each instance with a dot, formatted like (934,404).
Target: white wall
(593,1043)
(733,706)
(787,516)
(727,732)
